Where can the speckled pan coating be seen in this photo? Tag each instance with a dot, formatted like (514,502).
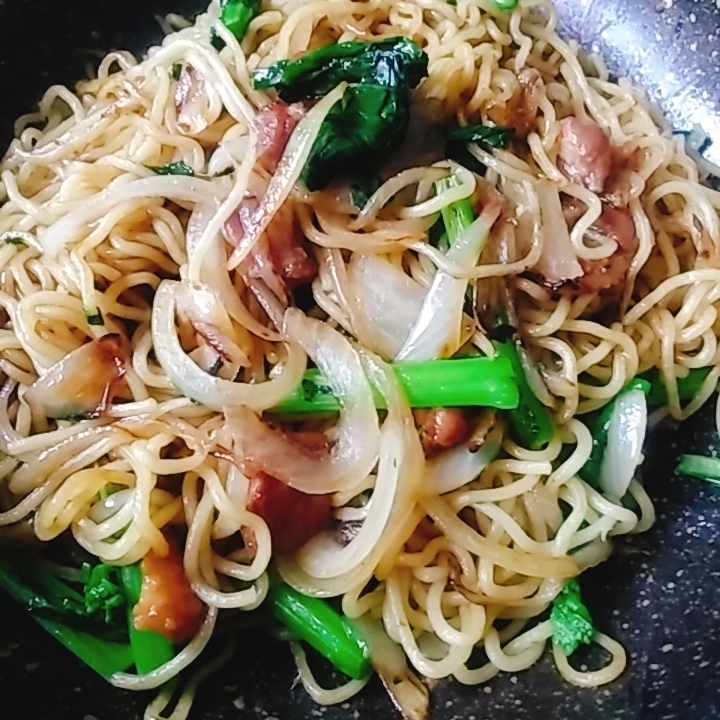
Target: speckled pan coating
(671,48)
(659,595)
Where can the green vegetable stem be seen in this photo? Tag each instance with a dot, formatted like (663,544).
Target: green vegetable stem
(174,168)
(700,466)
(330,633)
(372,116)
(236,15)
(461,382)
(530,421)
(457,138)
(599,425)
(570,619)
(688,386)
(150,650)
(76,619)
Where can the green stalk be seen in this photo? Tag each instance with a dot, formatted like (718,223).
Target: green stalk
(455,216)
(104,656)
(688,386)
(315,622)
(530,420)
(700,466)
(236,15)
(599,425)
(462,382)
(150,650)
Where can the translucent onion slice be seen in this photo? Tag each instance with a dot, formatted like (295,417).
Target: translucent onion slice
(356,436)
(625,438)
(403,518)
(83,382)
(287,173)
(379,285)
(172,187)
(213,392)
(202,306)
(437,329)
(405,689)
(324,556)
(558,261)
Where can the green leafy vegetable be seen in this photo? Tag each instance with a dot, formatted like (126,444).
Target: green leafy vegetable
(236,15)
(95,318)
(150,650)
(700,466)
(688,386)
(504,5)
(330,633)
(102,593)
(14,241)
(363,188)
(530,421)
(174,168)
(570,619)
(373,114)
(495,136)
(456,217)
(457,138)
(175,71)
(461,382)
(599,426)
(63,612)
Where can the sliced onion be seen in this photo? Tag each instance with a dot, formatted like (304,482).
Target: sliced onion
(213,392)
(356,436)
(410,462)
(379,285)
(558,261)
(287,173)
(626,434)
(459,466)
(406,691)
(214,271)
(437,329)
(83,382)
(172,187)
(324,556)
(202,306)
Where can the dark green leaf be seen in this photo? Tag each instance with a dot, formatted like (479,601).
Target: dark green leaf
(393,63)
(373,115)
(103,594)
(95,318)
(362,188)
(236,15)
(495,136)
(488,136)
(174,168)
(175,71)
(365,124)
(14,241)
(570,619)
(47,596)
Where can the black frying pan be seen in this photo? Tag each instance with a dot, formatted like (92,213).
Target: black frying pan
(659,594)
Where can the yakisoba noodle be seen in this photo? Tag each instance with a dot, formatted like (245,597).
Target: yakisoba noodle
(92,233)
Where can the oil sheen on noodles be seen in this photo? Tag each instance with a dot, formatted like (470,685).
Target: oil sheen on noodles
(91,234)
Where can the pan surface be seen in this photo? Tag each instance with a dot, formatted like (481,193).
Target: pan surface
(658,594)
